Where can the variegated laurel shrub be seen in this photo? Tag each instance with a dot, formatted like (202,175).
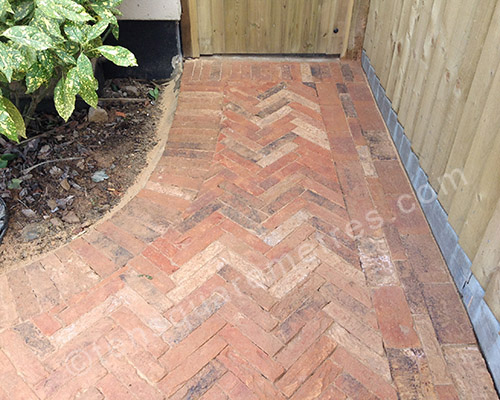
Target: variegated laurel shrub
(48,45)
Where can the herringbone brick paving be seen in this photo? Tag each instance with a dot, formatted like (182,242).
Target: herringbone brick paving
(276,252)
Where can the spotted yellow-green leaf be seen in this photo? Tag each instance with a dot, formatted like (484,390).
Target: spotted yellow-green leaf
(65,94)
(115,30)
(47,25)
(110,3)
(7,124)
(5,7)
(88,83)
(22,10)
(64,56)
(6,61)
(61,9)
(74,33)
(119,55)
(16,117)
(97,30)
(39,72)
(104,14)
(29,36)
(27,57)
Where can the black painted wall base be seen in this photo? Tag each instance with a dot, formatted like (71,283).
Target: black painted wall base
(154,43)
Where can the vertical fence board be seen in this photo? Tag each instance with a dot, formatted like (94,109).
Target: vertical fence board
(439,61)
(281,26)
(204,11)
(189,28)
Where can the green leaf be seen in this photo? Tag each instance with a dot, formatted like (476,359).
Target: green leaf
(27,57)
(154,93)
(5,7)
(39,73)
(61,9)
(65,57)
(8,157)
(7,124)
(29,36)
(6,61)
(104,14)
(47,25)
(110,3)
(88,83)
(97,30)
(16,116)
(14,183)
(115,30)
(22,10)
(3,163)
(119,55)
(74,33)
(65,93)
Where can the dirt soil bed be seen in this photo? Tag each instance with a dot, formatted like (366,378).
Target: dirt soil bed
(62,182)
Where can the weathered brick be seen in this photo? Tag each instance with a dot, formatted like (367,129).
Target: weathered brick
(448,315)
(191,365)
(395,320)
(305,365)
(243,371)
(265,364)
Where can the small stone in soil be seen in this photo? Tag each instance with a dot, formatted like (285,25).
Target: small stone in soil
(43,151)
(29,213)
(56,222)
(52,205)
(97,115)
(131,90)
(32,232)
(55,171)
(99,176)
(65,184)
(71,218)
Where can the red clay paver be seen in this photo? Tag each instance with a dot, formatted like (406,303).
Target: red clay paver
(271,255)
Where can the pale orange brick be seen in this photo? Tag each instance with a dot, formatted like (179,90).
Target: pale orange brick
(159,278)
(265,364)
(242,370)
(93,257)
(123,238)
(395,320)
(159,259)
(175,356)
(113,389)
(250,329)
(375,383)
(119,366)
(304,339)
(139,332)
(305,365)
(318,383)
(191,365)
(46,323)
(23,359)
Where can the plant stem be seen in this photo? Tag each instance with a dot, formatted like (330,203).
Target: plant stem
(30,110)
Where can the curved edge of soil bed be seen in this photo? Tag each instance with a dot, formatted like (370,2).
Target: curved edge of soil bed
(167,106)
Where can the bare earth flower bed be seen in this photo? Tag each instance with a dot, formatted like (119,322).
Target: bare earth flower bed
(62,182)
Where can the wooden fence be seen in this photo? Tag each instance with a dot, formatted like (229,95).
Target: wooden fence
(273,26)
(439,62)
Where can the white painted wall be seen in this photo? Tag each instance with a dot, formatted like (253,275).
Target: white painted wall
(151,9)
